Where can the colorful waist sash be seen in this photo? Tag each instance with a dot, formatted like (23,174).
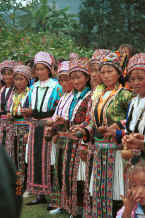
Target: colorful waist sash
(104,144)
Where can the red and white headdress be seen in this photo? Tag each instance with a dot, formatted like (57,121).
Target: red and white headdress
(81,64)
(136,62)
(63,68)
(9,64)
(98,55)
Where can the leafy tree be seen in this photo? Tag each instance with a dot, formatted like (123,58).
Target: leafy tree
(110,23)
(37,26)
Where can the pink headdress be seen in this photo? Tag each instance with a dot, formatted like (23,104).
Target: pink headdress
(63,68)
(7,64)
(23,70)
(44,58)
(73,56)
(136,62)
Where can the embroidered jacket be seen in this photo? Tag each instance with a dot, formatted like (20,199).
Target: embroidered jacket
(135,120)
(19,101)
(63,106)
(114,109)
(5,99)
(45,98)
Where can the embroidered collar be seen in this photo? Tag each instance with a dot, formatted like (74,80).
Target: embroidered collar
(51,83)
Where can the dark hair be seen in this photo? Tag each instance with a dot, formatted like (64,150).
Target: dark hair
(130,47)
(30,63)
(2,82)
(5,69)
(61,59)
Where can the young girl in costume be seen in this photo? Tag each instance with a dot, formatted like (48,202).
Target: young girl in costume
(20,127)
(6,92)
(72,195)
(134,202)
(61,113)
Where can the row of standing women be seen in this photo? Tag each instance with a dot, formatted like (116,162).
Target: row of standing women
(73,133)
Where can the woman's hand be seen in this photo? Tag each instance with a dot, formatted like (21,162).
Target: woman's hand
(102,129)
(75,129)
(9,116)
(110,132)
(26,112)
(49,122)
(47,130)
(134,141)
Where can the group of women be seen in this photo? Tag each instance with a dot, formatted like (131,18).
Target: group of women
(74,129)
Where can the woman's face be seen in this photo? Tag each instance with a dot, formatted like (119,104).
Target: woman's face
(20,82)
(95,75)
(8,78)
(42,72)
(79,80)
(109,76)
(137,82)
(66,83)
(138,186)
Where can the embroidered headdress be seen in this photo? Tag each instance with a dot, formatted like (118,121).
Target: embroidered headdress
(81,64)
(7,64)
(23,70)
(136,62)
(98,55)
(44,58)
(63,68)
(73,56)
(112,59)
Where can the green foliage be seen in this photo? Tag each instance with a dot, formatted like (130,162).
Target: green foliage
(25,30)
(19,45)
(38,26)
(107,24)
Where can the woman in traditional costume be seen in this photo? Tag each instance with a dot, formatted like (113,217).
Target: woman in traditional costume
(108,108)
(60,116)
(19,126)
(73,166)
(43,99)
(94,67)
(6,68)
(135,124)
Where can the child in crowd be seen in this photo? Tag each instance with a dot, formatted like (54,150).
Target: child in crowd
(134,203)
